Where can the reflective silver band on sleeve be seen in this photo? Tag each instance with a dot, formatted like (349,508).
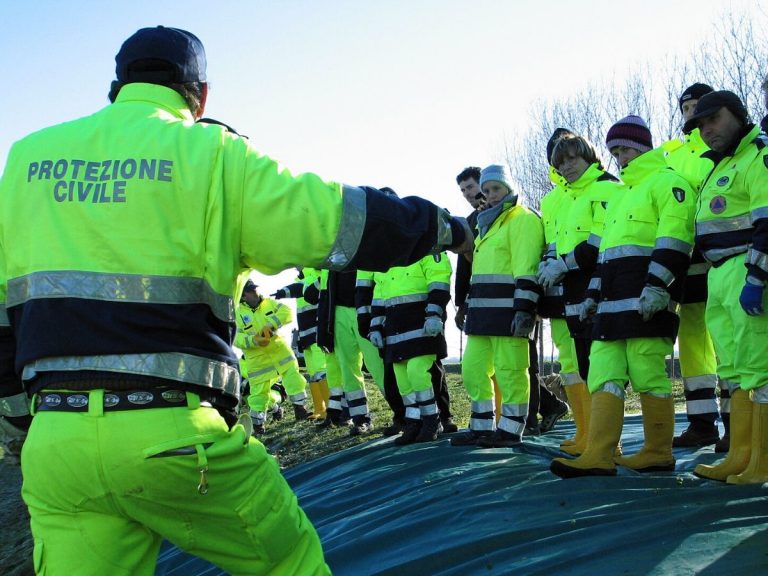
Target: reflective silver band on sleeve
(107,287)
(718,254)
(661,272)
(364,283)
(628,305)
(759,213)
(445,286)
(529,295)
(570,261)
(669,243)
(351,227)
(594,240)
(594,283)
(444,234)
(757,258)
(699,268)
(13,406)
(435,309)
(732,224)
(167,365)
(364,310)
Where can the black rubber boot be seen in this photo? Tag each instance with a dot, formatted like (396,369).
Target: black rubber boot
(431,427)
(411,432)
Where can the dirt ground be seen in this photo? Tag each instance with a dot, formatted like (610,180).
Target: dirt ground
(15,538)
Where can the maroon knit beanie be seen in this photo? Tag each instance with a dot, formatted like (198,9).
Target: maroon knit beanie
(630,131)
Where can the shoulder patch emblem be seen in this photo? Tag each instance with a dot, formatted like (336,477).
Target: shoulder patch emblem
(723,180)
(437,257)
(717,205)
(679,194)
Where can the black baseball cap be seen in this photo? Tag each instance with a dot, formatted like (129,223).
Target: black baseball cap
(161,54)
(710,103)
(250,286)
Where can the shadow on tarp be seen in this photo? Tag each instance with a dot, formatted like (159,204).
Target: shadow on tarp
(431,509)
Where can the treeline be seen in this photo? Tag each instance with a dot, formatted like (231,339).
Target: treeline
(732,56)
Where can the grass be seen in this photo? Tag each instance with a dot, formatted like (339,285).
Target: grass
(295,442)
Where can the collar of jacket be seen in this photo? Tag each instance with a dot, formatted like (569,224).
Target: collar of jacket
(486,218)
(156,95)
(556,178)
(750,133)
(592,173)
(645,164)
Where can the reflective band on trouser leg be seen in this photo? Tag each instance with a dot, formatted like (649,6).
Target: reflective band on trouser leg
(373,361)
(476,371)
(347,351)
(128,491)
(697,364)
(334,382)
(411,406)
(421,380)
(566,350)
(294,382)
(314,360)
(357,403)
(608,364)
(511,360)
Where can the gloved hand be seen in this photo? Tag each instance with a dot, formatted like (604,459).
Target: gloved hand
(652,299)
(751,298)
(522,324)
(551,272)
(587,310)
(461,316)
(468,244)
(433,326)
(11,439)
(376,339)
(263,338)
(280,294)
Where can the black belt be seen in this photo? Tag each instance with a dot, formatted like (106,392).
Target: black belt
(58,401)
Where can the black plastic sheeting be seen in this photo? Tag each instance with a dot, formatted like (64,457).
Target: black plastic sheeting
(432,509)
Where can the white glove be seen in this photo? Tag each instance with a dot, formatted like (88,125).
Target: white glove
(588,309)
(433,326)
(11,442)
(376,339)
(652,299)
(522,324)
(551,272)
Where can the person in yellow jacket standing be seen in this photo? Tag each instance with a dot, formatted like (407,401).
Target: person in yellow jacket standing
(140,244)
(501,313)
(732,233)
(643,258)
(408,323)
(268,357)
(688,157)
(306,319)
(577,230)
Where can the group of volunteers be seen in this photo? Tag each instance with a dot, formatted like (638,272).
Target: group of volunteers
(675,248)
(120,389)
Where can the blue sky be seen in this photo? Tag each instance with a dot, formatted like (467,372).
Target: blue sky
(399,93)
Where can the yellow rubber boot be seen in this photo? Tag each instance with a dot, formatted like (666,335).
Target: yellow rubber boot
(497,400)
(658,428)
(318,402)
(740,448)
(756,471)
(580,401)
(603,436)
(325,391)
